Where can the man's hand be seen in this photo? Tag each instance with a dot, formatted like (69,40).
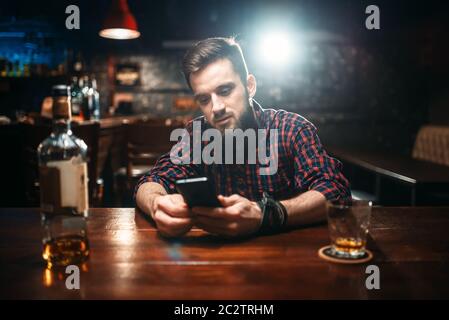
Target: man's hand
(171,215)
(238,217)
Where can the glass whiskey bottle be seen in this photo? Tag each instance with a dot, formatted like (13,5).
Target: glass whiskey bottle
(63,180)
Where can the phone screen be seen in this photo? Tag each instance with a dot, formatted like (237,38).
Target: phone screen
(198,192)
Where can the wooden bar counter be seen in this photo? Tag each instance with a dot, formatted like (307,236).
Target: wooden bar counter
(129,260)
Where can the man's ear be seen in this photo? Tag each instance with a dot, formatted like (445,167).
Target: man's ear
(251,85)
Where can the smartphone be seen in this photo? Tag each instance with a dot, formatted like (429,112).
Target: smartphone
(198,192)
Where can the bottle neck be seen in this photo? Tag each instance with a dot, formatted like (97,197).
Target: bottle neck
(61,126)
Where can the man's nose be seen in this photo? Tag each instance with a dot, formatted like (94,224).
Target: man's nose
(218,106)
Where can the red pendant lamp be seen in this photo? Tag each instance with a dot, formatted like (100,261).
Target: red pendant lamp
(120,23)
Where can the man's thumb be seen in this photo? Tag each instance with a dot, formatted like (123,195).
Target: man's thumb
(226,201)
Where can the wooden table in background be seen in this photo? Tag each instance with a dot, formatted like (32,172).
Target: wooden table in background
(130,261)
(398,180)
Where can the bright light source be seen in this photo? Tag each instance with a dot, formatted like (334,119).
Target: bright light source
(119,22)
(119,34)
(276,48)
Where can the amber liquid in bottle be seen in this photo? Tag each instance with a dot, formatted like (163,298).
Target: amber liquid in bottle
(63,184)
(66,250)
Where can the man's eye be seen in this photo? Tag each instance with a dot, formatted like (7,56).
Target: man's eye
(225,91)
(203,101)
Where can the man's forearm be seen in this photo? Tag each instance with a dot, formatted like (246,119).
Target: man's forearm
(306,208)
(146,194)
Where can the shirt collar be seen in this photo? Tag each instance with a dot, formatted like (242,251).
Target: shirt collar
(259,114)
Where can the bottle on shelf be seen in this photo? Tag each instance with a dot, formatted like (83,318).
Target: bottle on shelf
(78,65)
(87,98)
(63,181)
(95,99)
(76,99)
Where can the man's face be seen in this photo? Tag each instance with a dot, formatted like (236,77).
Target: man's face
(221,94)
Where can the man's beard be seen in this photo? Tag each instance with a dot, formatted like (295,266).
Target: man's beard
(246,121)
(248,118)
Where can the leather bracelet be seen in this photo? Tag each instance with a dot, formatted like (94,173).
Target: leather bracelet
(274,215)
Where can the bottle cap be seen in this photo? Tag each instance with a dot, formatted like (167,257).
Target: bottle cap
(60,90)
(61,108)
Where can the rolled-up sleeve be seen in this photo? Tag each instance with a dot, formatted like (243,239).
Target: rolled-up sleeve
(315,169)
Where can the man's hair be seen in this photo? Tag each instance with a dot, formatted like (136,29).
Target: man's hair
(210,50)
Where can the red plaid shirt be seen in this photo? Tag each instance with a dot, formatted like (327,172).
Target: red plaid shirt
(303,164)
